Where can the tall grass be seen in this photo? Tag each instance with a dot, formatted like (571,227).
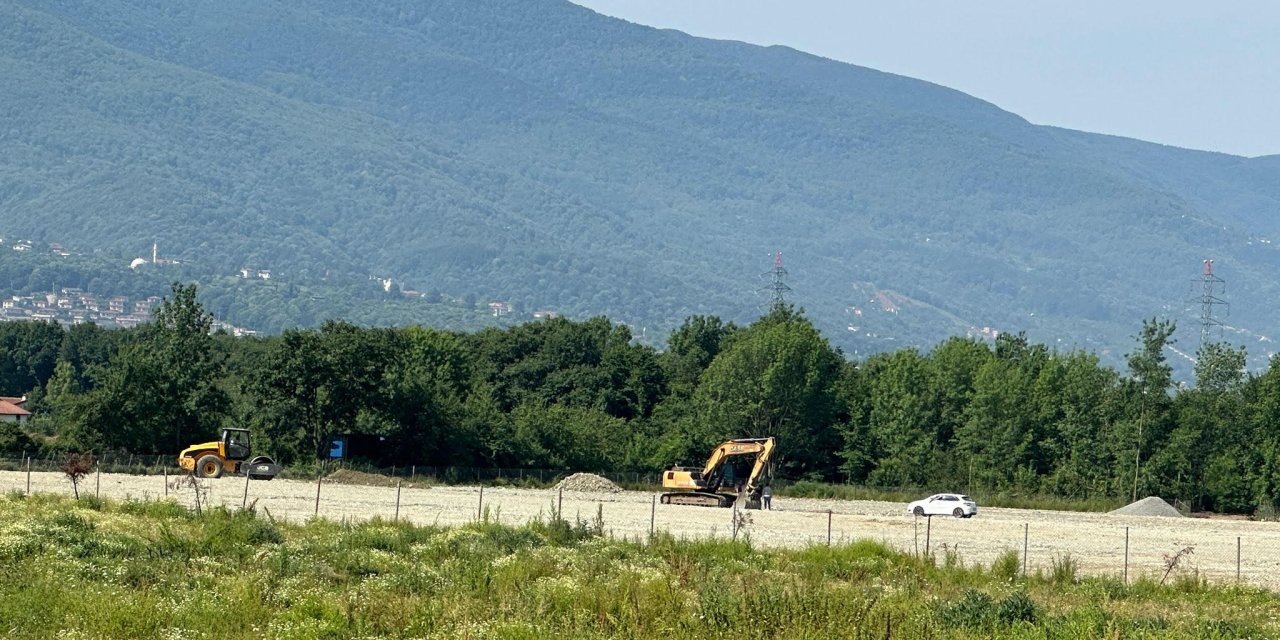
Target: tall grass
(157,570)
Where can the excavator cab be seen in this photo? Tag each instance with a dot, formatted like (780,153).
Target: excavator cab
(228,454)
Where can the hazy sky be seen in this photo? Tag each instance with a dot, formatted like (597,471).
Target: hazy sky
(1197,74)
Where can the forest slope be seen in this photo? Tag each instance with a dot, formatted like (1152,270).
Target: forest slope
(541,153)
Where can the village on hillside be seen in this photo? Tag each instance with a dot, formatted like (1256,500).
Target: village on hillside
(70,306)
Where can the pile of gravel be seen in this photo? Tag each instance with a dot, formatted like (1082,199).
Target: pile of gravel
(588,483)
(348,476)
(1149,506)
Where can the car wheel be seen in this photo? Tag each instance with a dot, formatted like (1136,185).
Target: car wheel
(959,513)
(918,511)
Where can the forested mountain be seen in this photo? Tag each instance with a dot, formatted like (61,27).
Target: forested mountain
(537,152)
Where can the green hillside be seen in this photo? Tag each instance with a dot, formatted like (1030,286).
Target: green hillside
(540,153)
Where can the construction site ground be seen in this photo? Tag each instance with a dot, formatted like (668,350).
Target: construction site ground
(1095,541)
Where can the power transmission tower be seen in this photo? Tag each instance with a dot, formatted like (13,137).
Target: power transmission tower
(1210,287)
(778,285)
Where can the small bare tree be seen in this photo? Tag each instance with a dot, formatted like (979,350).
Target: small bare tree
(76,466)
(199,491)
(741,520)
(1171,561)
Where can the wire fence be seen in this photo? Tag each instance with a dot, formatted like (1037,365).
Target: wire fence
(159,464)
(166,464)
(1057,545)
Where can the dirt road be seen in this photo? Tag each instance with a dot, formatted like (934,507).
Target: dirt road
(1095,541)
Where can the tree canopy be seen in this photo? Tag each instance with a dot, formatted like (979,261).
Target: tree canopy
(1008,415)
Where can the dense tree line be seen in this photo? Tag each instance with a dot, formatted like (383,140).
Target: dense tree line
(1009,416)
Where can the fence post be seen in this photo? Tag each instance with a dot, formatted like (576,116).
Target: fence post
(244,500)
(480,507)
(734,517)
(1026,538)
(1237,558)
(166,481)
(653,514)
(397,501)
(928,529)
(915,535)
(560,503)
(413,471)
(28,476)
(828,527)
(1126,555)
(318,478)
(97,483)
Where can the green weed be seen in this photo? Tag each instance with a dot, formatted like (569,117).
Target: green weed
(1065,570)
(1007,566)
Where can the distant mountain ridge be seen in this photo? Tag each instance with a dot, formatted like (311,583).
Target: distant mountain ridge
(538,152)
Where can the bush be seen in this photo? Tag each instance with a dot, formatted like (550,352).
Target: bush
(13,440)
(235,534)
(1007,565)
(974,610)
(1016,607)
(1065,569)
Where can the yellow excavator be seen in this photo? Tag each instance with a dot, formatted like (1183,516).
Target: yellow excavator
(705,486)
(227,455)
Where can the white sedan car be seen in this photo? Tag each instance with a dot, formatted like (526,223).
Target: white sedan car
(945,504)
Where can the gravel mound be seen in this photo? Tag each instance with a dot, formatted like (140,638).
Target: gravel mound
(347,476)
(1149,506)
(588,483)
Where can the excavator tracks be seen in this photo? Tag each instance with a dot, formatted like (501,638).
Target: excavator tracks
(698,499)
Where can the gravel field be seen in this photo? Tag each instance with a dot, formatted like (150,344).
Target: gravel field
(1095,541)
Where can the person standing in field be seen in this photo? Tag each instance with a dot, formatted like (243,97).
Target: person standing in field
(767,497)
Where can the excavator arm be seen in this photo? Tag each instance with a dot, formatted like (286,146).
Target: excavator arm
(759,477)
(712,470)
